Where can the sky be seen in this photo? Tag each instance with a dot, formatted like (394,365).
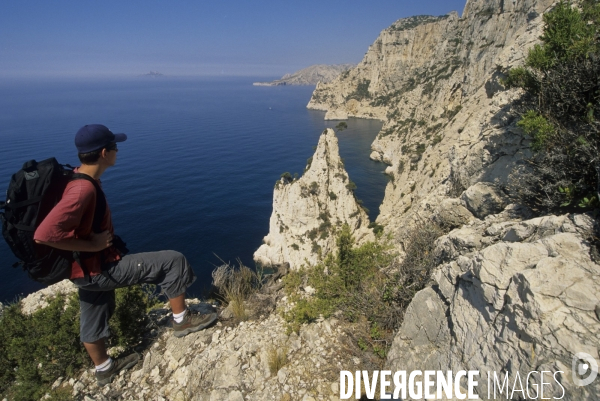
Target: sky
(191,38)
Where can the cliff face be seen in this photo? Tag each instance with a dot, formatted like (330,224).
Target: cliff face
(308,211)
(435,82)
(512,294)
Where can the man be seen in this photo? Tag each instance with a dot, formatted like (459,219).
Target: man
(101,267)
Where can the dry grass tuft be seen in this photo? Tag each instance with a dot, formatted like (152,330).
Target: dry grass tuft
(277,358)
(235,285)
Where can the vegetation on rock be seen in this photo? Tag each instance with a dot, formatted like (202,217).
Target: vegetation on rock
(364,284)
(36,349)
(235,285)
(341,126)
(361,92)
(560,111)
(412,22)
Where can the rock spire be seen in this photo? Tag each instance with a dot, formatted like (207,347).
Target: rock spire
(307,212)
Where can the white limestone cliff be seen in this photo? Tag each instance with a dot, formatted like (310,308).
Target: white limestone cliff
(512,293)
(308,211)
(436,84)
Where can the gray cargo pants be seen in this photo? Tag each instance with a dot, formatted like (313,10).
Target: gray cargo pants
(169,269)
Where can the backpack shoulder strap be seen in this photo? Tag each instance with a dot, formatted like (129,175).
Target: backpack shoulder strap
(100,201)
(98,217)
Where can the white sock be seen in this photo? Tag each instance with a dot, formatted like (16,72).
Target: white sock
(178,317)
(104,366)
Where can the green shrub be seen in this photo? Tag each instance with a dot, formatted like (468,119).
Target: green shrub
(567,35)
(287,177)
(365,284)
(342,176)
(559,112)
(130,319)
(538,127)
(37,349)
(336,280)
(519,77)
(341,126)
(377,228)
(400,167)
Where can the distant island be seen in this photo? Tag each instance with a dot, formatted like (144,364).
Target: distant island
(310,75)
(153,74)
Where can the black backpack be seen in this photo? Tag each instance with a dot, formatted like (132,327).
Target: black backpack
(33,191)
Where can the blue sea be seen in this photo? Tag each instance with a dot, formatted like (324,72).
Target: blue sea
(198,169)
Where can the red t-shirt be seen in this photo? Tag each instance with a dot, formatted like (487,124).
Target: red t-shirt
(72,217)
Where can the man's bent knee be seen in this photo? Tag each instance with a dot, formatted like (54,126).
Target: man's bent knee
(179,274)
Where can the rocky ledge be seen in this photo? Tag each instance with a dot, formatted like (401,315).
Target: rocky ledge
(512,295)
(233,360)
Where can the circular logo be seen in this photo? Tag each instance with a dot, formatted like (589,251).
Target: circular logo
(585,369)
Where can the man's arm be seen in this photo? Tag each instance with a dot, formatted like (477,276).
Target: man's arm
(96,243)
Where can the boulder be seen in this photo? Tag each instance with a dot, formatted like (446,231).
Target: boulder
(509,307)
(483,199)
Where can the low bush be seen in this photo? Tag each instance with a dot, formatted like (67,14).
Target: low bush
(287,177)
(560,112)
(364,284)
(130,320)
(361,92)
(37,349)
(377,228)
(308,164)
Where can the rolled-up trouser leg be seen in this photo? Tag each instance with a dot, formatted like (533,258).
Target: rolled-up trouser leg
(96,308)
(169,269)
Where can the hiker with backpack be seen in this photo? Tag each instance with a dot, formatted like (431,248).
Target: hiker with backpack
(75,239)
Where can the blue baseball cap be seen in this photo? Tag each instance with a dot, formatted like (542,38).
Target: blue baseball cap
(95,136)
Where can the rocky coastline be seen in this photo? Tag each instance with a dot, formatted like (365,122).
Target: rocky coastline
(511,293)
(310,75)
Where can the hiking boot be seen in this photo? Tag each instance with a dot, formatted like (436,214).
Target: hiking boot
(193,322)
(118,365)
